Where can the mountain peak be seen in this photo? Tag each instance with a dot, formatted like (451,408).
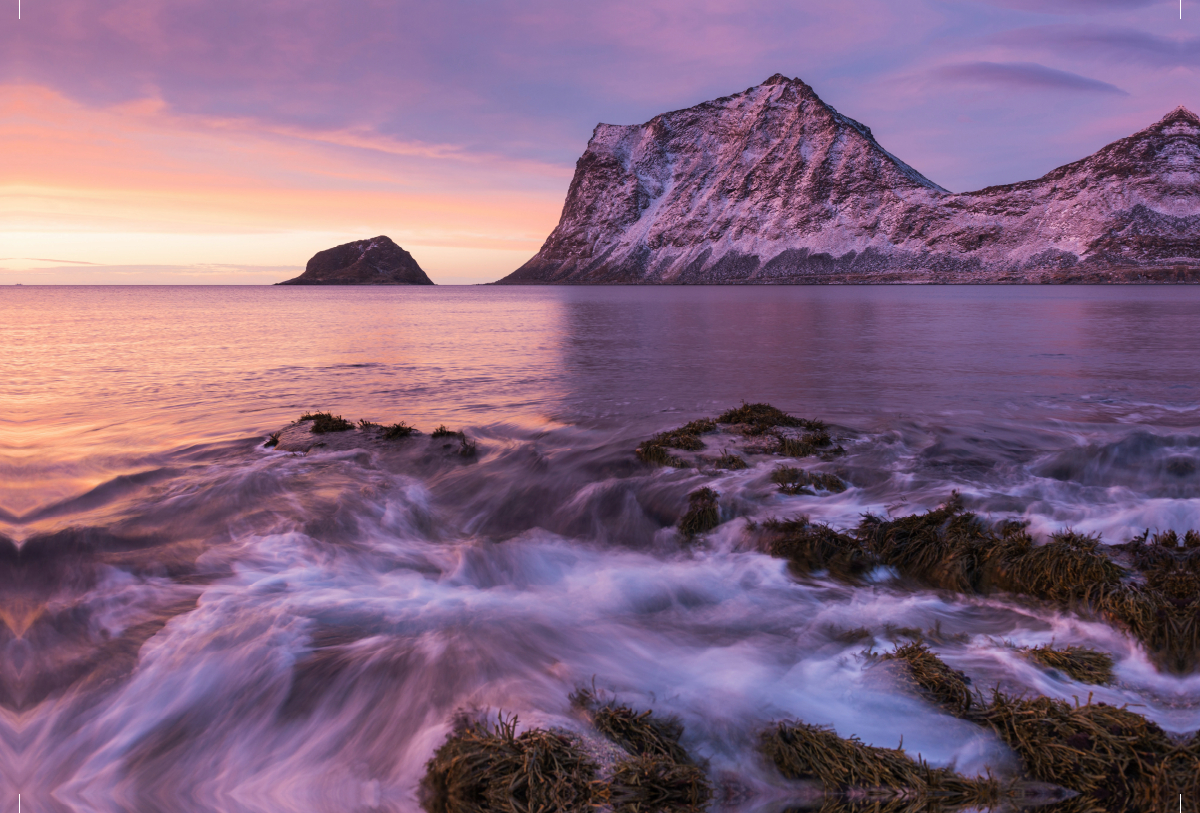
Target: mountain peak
(1180,114)
(772,184)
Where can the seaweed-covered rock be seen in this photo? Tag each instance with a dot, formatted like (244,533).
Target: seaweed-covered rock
(844,764)
(948,687)
(491,769)
(703,513)
(1076,662)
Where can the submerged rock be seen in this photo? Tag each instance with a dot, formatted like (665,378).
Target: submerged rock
(377,261)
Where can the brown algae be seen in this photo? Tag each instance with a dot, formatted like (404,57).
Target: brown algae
(1076,662)
(1114,758)
(325,422)
(729,462)
(398,430)
(1155,596)
(772,430)
(660,775)
(703,513)
(949,688)
(792,480)
(842,764)
(491,769)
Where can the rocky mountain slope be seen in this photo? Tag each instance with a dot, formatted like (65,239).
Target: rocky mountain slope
(774,185)
(377,261)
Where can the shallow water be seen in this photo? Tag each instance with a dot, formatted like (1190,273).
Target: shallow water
(196,622)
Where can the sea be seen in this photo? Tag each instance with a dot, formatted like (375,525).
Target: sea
(195,621)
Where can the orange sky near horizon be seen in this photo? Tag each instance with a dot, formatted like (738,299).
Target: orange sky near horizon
(215,141)
(104,193)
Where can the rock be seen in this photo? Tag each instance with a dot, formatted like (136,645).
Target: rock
(774,185)
(377,261)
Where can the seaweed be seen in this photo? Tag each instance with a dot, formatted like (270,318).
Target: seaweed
(685,438)
(272,440)
(364,425)
(808,444)
(751,420)
(810,547)
(490,769)
(398,430)
(1109,754)
(945,547)
(792,480)
(729,462)
(1076,662)
(654,783)
(1065,568)
(950,548)
(803,751)
(640,734)
(443,432)
(757,419)
(466,447)
(661,775)
(659,456)
(1114,758)
(702,515)
(325,422)
(948,687)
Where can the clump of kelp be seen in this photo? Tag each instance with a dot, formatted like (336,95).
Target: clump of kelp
(484,768)
(792,480)
(703,513)
(686,438)
(325,422)
(931,675)
(1112,757)
(659,774)
(729,462)
(845,765)
(398,430)
(1076,662)
(466,446)
(1080,757)
(1149,586)
(781,433)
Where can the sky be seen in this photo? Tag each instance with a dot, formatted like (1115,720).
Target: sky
(227,141)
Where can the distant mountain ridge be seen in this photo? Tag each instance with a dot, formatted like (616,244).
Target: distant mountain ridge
(774,185)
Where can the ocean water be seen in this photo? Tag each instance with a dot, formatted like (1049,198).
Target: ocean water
(192,621)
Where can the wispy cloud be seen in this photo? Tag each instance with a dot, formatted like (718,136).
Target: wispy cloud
(1024,76)
(1073,6)
(1112,45)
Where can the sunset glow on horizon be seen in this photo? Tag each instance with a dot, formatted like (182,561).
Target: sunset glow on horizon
(187,142)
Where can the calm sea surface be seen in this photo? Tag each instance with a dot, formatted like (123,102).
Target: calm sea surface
(196,622)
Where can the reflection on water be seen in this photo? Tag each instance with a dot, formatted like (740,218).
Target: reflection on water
(193,621)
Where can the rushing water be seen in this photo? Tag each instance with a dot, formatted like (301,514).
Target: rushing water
(194,622)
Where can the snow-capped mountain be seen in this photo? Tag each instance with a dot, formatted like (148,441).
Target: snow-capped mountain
(774,185)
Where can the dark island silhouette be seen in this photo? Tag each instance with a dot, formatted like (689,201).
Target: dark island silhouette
(377,261)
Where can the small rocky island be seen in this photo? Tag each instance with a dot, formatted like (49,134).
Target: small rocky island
(377,261)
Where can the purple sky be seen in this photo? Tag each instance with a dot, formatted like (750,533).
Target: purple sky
(969,93)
